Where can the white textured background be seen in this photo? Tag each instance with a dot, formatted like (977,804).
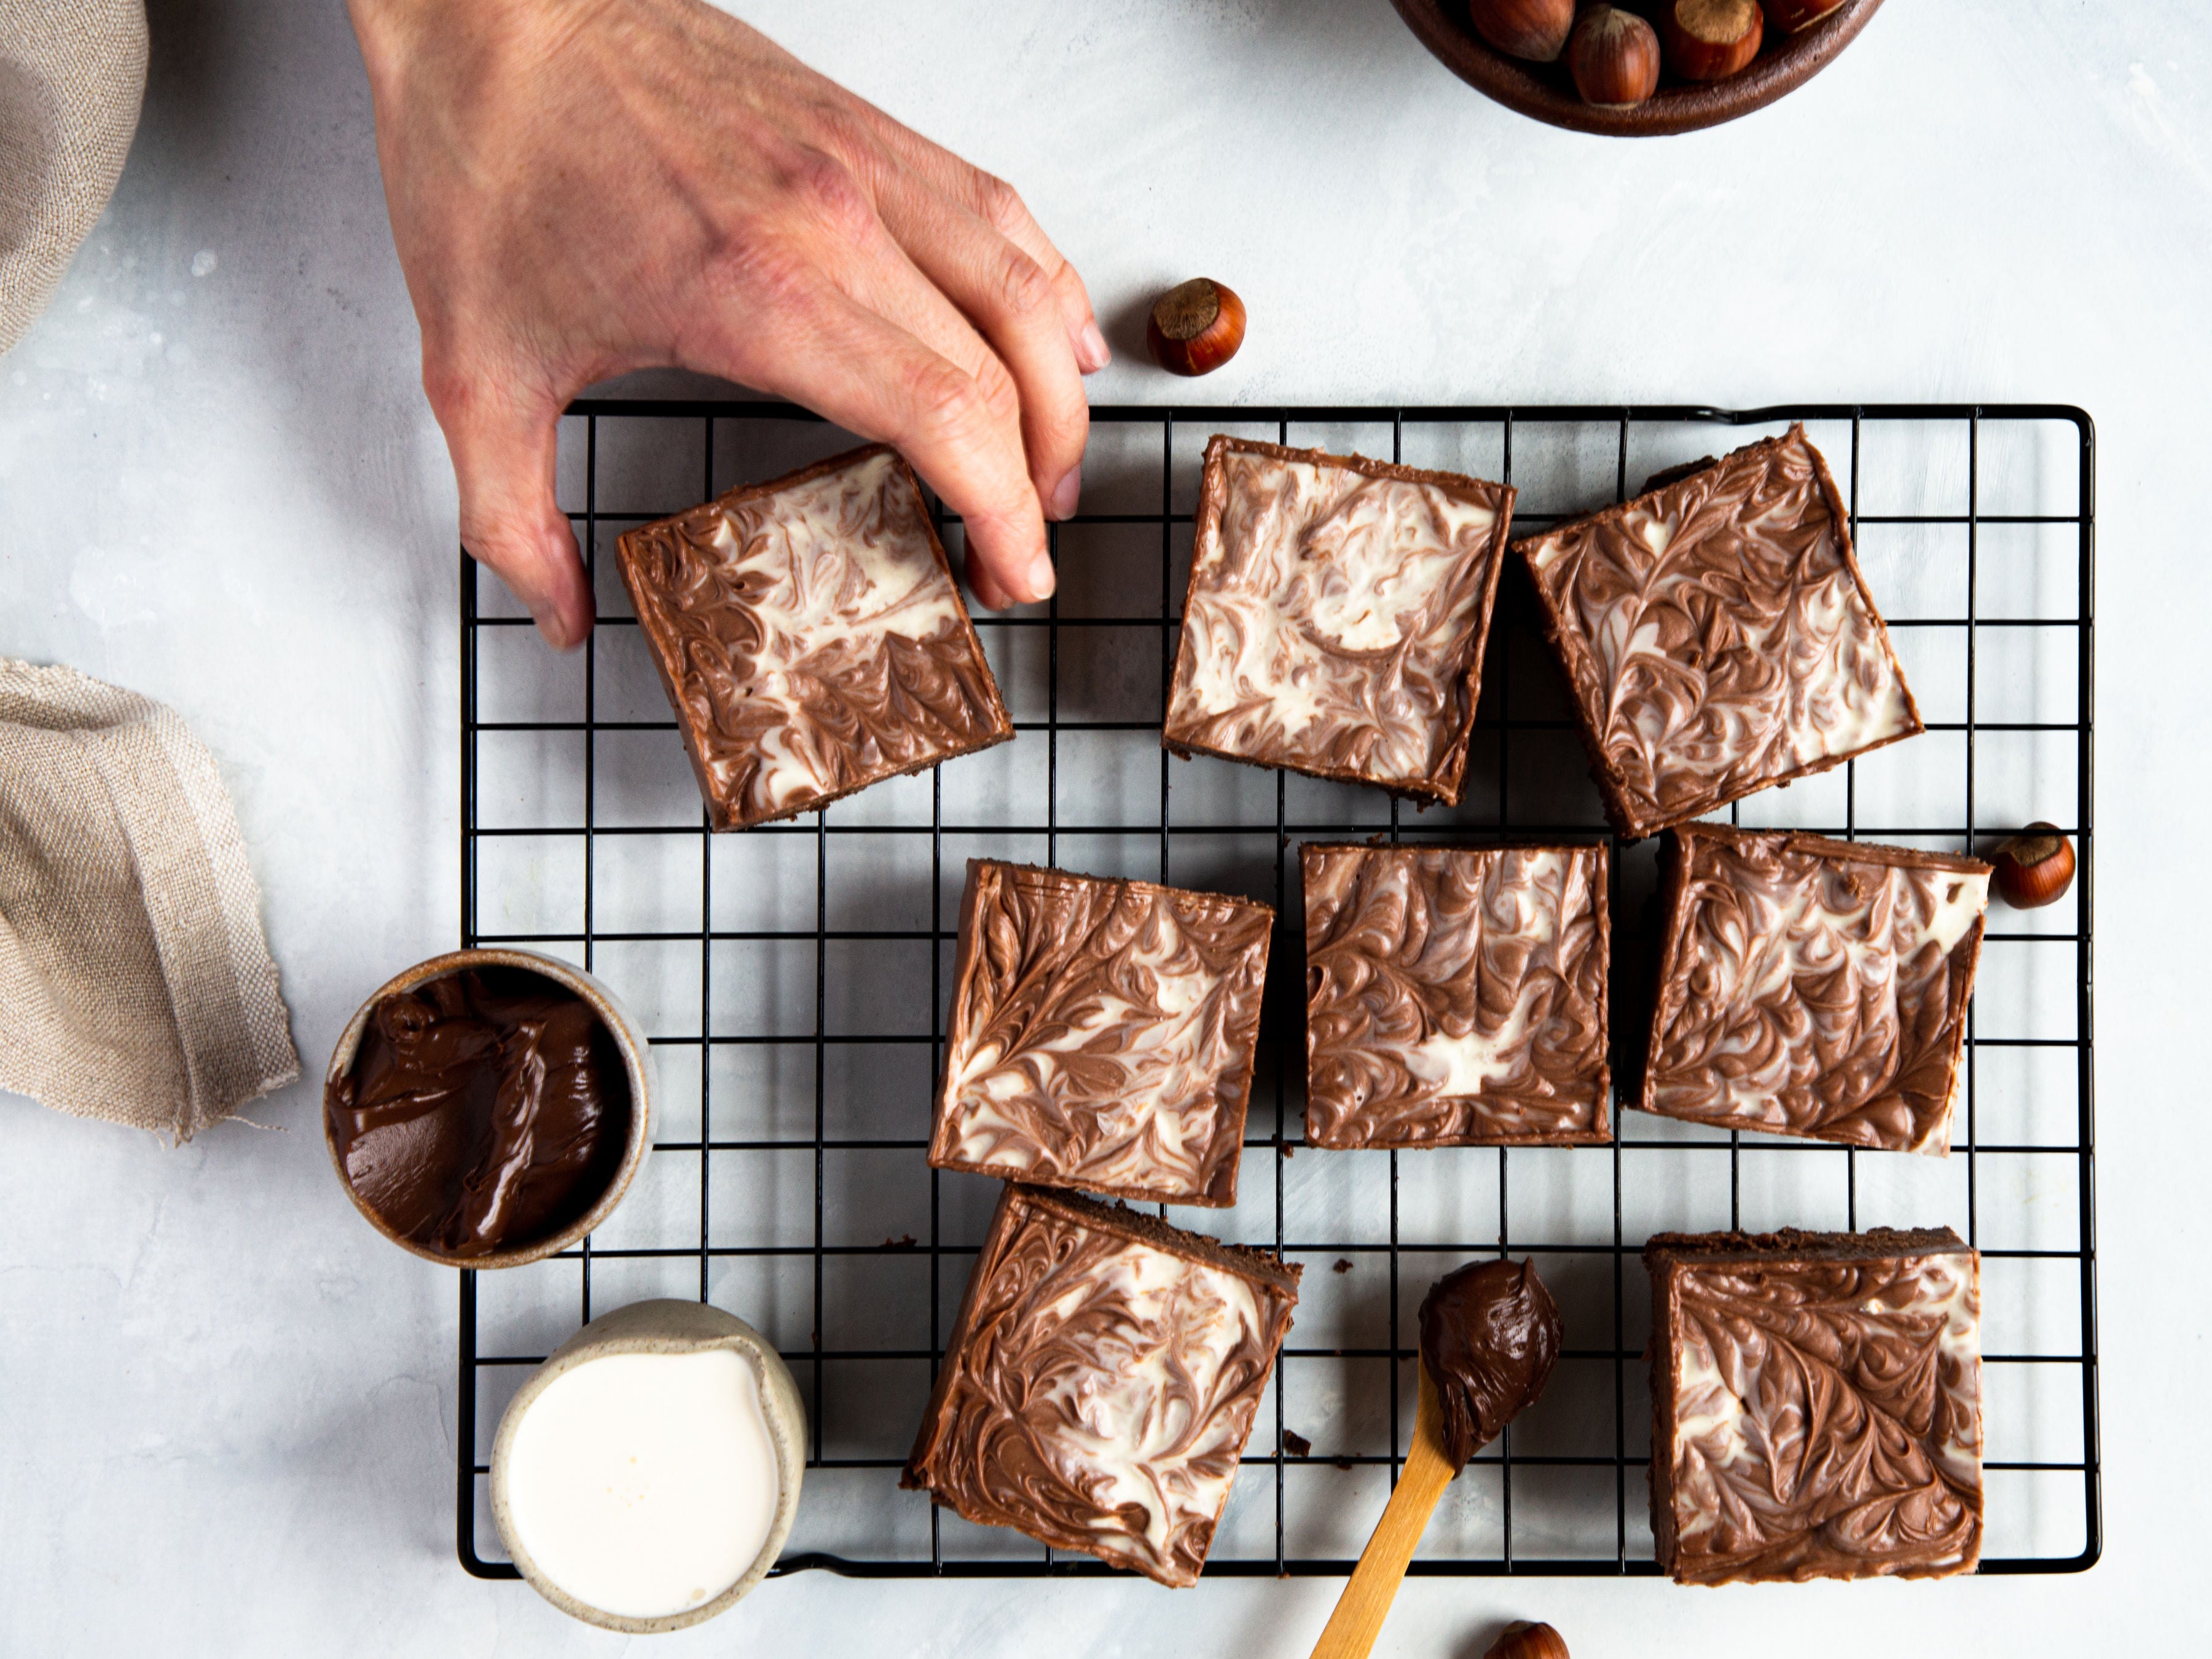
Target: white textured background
(226,1409)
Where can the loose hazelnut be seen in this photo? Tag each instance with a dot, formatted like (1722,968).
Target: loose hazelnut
(1711,40)
(1614,57)
(1788,17)
(1533,29)
(1528,1642)
(2035,867)
(1196,327)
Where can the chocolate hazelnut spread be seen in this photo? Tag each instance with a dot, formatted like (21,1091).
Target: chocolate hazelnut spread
(1718,635)
(1102,1035)
(1102,1380)
(1454,995)
(1336,616)
(1817,1405)
(485,1110)
(811,637)
(1490,1336)
(1814,988)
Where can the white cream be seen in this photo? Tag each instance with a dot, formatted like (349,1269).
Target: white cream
(1723,1420)
(1326,560)
(1164,1115)
(1963,899)
(644,1484)
(1147,1430)
(1457,1067)
(1709,1435)
(1551,884)
(1794,936)
(1838,692)
(826,566)
(1952,1285)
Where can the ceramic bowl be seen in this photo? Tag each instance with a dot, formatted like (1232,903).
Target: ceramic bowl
(1544,92)
(664,1327)
(629,1040)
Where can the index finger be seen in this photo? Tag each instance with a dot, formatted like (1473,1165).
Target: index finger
(1000,205)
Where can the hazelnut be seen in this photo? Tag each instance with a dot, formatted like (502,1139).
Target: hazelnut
(1533,29)
(1526,1641)
(1788,17)
(1196,327)
(1614,57)
(1711,40)
(2035,867)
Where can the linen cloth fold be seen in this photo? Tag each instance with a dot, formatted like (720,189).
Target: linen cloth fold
(72,76)
(136,984)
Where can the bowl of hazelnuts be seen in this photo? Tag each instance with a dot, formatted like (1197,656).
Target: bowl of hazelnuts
(1641,67)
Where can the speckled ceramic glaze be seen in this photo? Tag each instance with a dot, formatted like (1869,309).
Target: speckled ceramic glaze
(630,1039)
(665,1328)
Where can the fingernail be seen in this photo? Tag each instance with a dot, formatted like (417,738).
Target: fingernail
(1043,578)
(1090,352)
(555,627)
(1064,494)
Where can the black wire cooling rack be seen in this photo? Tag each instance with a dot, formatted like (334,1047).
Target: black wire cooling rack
(794,979)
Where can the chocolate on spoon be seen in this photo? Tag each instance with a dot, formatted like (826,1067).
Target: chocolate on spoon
(1490,1336)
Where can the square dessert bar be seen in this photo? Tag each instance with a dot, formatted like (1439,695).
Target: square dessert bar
(1336,616)
(1816,988)
(1817,1405)
(1717,635)
(1454,995)
(1101,1034)
(811,638)
(1101,1381)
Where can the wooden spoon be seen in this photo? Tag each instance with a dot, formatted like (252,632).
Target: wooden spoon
(1491,1331)
(1365,1603)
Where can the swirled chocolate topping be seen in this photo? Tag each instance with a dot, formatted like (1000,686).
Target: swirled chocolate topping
(1101,1034)
(1490,1336)
(1814,988)
(1336,614)
(1454,995)
(1101,1381)
(1817,1401)
(485,1111)
(1717,635)
(811,638)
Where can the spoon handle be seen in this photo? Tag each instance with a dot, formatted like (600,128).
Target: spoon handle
(1365,1603)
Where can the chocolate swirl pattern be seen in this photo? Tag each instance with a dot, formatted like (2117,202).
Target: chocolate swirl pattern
(1454,995)
(1819,1401)
(811,638)
(1101,1381)
(1336,614)
(1814,988)
(1719,637)
(1102,1035)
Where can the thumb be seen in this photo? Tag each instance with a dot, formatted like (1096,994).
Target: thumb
(503,457)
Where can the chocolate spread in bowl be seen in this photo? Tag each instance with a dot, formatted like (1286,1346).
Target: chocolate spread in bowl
(485,1111)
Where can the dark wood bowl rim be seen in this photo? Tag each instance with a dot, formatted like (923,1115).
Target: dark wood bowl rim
(1441,26)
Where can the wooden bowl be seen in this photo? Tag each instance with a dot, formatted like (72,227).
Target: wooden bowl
(1544,91)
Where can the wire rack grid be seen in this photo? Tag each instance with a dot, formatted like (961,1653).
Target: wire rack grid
(795,978)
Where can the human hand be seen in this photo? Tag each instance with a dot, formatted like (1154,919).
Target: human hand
(582,187)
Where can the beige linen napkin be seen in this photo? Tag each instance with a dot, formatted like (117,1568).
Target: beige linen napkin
(72,73)
(135,983)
